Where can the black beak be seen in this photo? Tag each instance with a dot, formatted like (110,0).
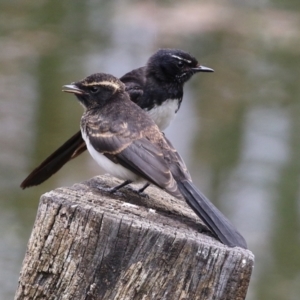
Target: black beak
(202,69)
(72,88)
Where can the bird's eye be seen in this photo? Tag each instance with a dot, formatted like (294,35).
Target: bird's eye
(94,89)
(180,64)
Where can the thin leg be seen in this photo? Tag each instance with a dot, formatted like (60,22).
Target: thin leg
(142,189)
(116,188)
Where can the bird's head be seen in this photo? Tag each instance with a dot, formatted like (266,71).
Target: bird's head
(173,65)
(95,90)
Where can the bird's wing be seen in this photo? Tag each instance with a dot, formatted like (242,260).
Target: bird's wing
(138,154)
(134,82)
(180,164)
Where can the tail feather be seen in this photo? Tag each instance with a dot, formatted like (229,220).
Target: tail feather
(69,150)
(211,216)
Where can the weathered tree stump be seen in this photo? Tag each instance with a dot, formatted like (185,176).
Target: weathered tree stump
(88,244)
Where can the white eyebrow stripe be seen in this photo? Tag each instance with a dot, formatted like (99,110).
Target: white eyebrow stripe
(110,83)
(107,83)
(180,58)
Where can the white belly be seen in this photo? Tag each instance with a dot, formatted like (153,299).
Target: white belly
(164,114)
(110,167)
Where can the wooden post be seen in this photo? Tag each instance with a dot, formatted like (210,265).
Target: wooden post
(88,244)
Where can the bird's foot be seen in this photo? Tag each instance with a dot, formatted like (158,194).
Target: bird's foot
(111,190)
(140,191)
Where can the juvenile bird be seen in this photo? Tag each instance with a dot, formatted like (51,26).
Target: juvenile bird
(126,142)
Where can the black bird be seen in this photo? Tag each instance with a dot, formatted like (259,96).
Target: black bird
(157,88)
(125,141)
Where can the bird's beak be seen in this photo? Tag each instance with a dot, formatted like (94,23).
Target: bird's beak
(72,88)
(203,69)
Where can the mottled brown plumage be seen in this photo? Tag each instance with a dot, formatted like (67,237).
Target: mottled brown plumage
(124,133)
(126,142)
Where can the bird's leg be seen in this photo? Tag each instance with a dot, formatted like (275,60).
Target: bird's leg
(116,188)
(140,191)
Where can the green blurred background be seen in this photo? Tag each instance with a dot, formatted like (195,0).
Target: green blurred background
(238,129)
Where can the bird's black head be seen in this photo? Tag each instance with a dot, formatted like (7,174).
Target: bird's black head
(173,65)
(95,90)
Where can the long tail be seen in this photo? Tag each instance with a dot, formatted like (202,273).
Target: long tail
(211,216)
(69,150)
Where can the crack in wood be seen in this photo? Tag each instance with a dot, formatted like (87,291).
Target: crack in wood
(89,245)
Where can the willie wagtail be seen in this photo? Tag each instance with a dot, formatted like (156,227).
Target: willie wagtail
(157,88)
(125,141)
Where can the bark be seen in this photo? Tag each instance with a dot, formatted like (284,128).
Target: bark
(89,244)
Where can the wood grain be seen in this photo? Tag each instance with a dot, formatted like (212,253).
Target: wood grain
(88,244)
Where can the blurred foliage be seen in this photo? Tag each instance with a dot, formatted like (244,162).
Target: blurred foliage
(253,47)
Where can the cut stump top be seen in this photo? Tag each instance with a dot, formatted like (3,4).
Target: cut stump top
(89,244)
